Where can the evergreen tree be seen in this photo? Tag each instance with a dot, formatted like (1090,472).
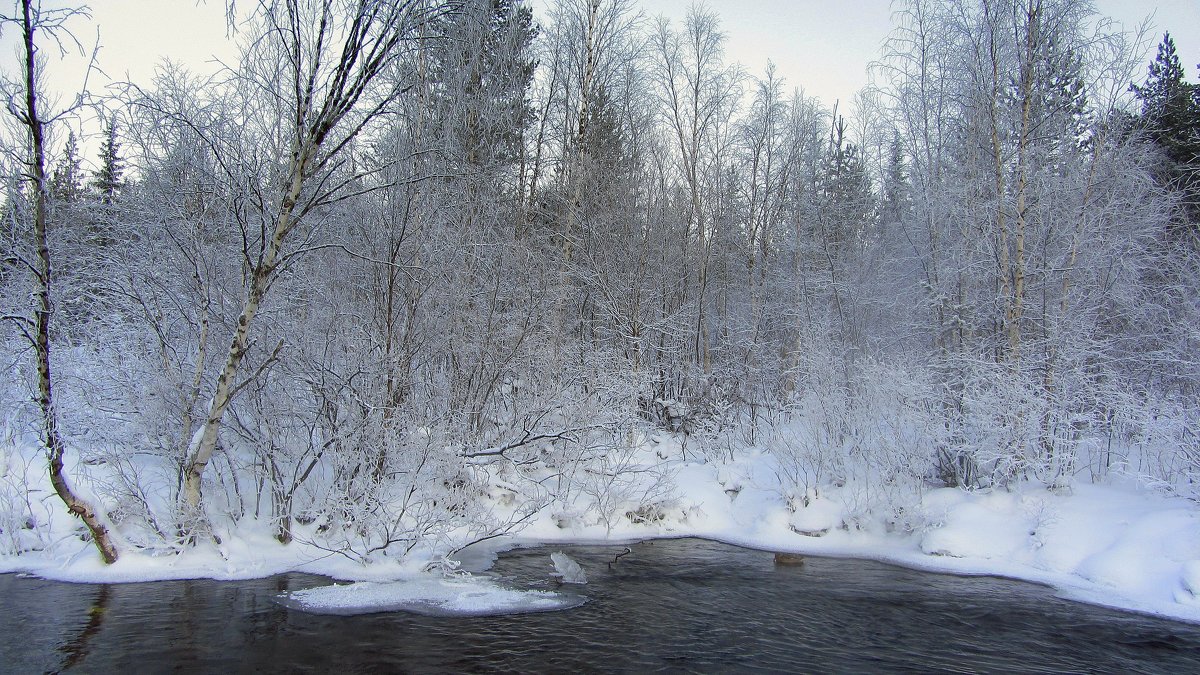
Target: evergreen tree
(482,72)
(602,137)
(1171,117)
(66,181)
(847,199)
(108,181)
(895,188)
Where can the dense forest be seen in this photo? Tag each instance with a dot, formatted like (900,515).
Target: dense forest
(409,272)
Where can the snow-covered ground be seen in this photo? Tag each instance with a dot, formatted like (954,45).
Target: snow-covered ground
(1123,546)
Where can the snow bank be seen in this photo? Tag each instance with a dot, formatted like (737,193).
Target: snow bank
(1122,548)
(251,553)
(460,596)
(1118,546)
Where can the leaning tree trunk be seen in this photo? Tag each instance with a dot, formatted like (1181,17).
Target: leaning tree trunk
(51,436)
(202,450)
(325,82)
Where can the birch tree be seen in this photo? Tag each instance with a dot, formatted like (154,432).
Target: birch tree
(699,96)
(25,104)
(322,68)
(1013,212)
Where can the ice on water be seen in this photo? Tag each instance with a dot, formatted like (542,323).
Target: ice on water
(458,596)
(566,569)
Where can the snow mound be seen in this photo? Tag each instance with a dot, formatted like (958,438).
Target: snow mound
(461,596)
(1191,582)
(817,518)
(992,526)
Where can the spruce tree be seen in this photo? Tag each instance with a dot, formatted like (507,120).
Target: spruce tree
(66,182)
(895,187)
(107,181)
(484,68)
(1171,118)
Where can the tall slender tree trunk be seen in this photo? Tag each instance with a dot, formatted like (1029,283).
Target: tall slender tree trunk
(575,174)
(1016,307)
(51,435)
(585,100)
(1002,234)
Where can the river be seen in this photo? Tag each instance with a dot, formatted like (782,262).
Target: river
(668,606)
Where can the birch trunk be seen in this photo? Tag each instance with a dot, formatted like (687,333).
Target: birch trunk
(51,434)
(203,448)
(1016,307)
(331,72)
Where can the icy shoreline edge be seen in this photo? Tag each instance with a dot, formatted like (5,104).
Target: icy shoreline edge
(200,565)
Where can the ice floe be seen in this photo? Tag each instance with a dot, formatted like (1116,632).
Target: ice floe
(459,596)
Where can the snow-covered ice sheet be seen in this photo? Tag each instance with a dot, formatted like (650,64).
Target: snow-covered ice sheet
(567,570)
(461,596)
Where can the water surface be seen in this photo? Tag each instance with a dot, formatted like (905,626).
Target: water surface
(669,606)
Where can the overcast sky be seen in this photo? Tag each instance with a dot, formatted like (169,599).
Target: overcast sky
(822,46)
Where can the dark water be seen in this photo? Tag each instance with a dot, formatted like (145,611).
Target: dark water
(670,606)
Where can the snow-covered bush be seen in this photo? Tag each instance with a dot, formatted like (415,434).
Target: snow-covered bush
(872,446)
(25,512)
(1154,439)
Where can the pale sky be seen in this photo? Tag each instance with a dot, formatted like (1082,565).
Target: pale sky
(822,46)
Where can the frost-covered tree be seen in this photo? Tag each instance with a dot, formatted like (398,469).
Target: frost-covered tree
(108,179)
(27,225)
(66,181)
(335,60)
(1013,214)
(699,94)
(479,72)
(1170,116)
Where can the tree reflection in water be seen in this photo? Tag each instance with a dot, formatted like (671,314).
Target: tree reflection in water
(76,648)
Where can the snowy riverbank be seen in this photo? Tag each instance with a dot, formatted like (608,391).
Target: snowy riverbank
(1121,546)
